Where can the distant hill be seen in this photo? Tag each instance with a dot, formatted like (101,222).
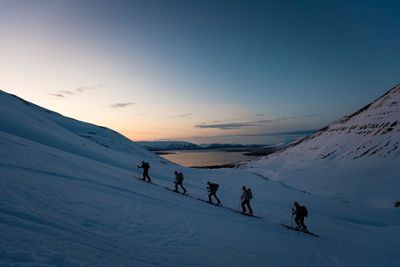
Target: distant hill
(227,146)
(167,145)
(182,145)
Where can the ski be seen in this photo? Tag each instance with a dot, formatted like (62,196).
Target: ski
(299,230)
(219,205)
(173,190)
(140,179)
(244,213)
(237,211)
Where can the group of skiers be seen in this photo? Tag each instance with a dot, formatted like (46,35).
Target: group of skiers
(247,195)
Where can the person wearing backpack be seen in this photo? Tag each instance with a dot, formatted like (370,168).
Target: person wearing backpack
(212,188)
(146,167)
(300,212)
(245,198)
(179,181)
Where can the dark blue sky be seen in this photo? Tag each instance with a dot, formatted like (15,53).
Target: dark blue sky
(246,63)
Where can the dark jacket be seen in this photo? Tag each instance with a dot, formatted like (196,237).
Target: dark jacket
(300,211)
(212,187)
(245,195)
(178,177)
(145,166)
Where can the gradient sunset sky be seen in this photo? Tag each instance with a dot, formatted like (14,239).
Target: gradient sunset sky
(201,71)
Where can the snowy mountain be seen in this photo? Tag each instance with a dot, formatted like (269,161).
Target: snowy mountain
(31,122)
(182,145)
(69,197)
(356,158)
(228,146)
(167,145)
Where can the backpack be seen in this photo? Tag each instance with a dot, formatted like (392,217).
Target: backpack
(212,187)
(249,193)
(305,212)
(180,175)
(216,187)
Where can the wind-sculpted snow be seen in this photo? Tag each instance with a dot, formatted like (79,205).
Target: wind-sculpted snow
(355,158)
(68,200)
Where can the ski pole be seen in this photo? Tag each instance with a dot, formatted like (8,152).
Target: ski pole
(291,221)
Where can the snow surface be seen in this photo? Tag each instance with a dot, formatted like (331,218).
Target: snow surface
(69,197)
(354,159)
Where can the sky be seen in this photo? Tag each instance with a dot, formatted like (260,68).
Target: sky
(201,71)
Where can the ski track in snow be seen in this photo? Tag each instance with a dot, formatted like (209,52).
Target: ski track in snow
(150,217)
(324,254)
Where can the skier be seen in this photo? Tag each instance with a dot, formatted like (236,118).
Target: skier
(178,181)
(245,198)
(300,212)
(146,167)
(212,188)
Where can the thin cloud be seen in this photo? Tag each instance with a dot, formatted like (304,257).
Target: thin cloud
(238,125)
(76,91)
(271,121)
(59,95)
(292,133)
(305,132)
(121,105)
(62,93)
(297,133)
(305,116)
(185,115)
(66,92)
(259,114)
(180,116)
(224,126)
(82,89)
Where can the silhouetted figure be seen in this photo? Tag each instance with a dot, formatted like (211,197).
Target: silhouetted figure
(300,212)
(246,196)
(179,181)
(146,167)
(212,188)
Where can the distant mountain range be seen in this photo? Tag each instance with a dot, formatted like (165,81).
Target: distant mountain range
(182,145)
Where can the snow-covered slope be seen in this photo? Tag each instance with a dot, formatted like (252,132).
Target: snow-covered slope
(356,158)
(26,120)
(69,197)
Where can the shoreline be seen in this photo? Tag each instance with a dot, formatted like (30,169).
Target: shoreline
(246,151)
(229,165)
